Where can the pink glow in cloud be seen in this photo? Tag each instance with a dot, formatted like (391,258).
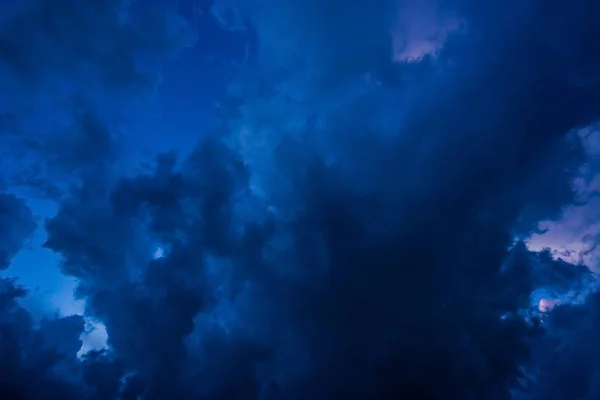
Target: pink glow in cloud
(548,304)
(420,29)
(575,237)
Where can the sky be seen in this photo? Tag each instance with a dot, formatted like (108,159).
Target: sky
(285,199)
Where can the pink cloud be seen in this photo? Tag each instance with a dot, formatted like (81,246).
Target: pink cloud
(574,237)
(548,304)
(420,29)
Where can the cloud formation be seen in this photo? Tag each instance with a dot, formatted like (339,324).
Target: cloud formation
(333,236)
(71,73)
(16,224)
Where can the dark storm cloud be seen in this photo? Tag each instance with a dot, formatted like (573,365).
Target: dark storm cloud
(368,253)
(189,212)
(30,367)
(17,223)
(567,360)
(71,73)
(100,41)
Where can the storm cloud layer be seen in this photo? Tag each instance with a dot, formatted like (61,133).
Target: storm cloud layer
(353,226)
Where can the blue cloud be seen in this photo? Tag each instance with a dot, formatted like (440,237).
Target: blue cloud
(16,224)
(348,228)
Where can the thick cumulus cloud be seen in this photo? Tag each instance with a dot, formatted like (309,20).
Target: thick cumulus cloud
(71,72)
(16,224)
(30,364)
(347,230)
(101,41)
(567,359)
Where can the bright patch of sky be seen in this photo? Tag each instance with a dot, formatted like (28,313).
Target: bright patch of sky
(575,235)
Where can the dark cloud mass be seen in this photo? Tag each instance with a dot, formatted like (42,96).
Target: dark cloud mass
(353,225)
(16,224)
(70,74)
